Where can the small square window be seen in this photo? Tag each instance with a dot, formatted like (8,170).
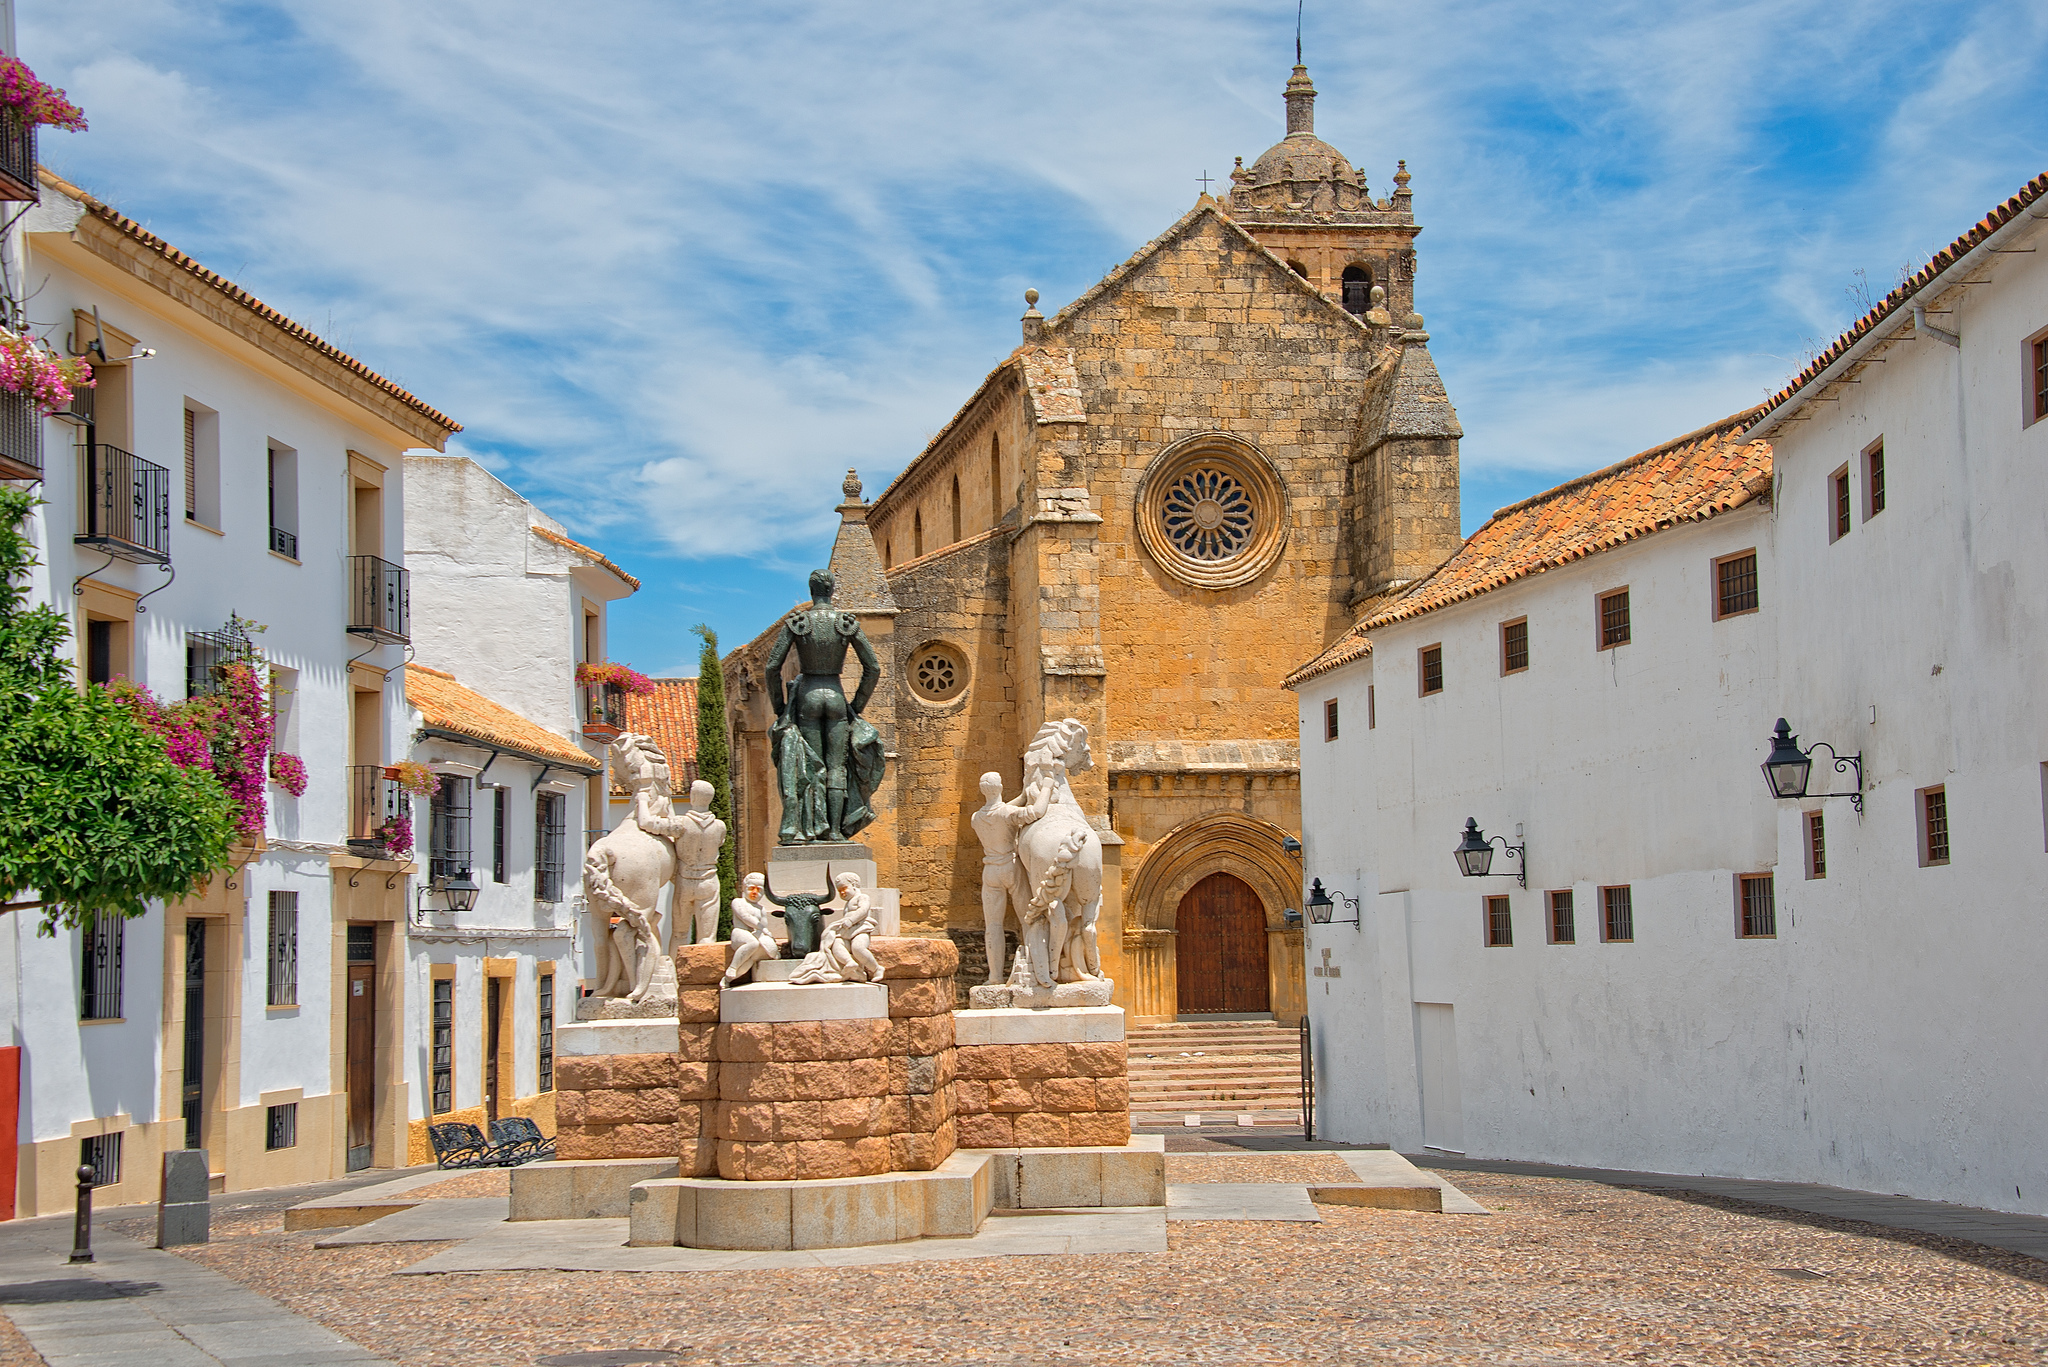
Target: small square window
(1563,931)
(1735,588)
(1432,659)
(1838,504)
(1816,846)
(1614,619)
(1933,826)
(1618,915)
(1514,646)
(102,1153)
(1330,719)
(1500,925)
(281,1126)
(1756,906)
(1873,479)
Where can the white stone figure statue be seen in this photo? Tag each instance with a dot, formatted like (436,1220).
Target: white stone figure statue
(624,873)
(844,955)
(1003,889)
(751,941)
(698,837)
(1061,853)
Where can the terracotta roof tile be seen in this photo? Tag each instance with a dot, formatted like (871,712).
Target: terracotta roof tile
(548,534)
(1691,479)
(448,705)
(669,716)
(135,231)
(1914,284)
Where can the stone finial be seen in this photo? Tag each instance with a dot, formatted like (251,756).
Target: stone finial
(850,486)
(1300,95)
(1376,311)
(1401,179)
(1034,321)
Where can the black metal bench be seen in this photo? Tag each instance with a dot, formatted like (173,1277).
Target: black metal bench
(458,1144)
(522,1139)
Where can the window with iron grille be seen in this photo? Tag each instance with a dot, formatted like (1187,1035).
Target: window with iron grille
(1372,710)
(501,815)
(2041,379)
(444,1046)
(1614,619)
(549,836)
(448,828)
(362,944)
(1838,485)
(1934,826)
(1873,479)
(1329,719)
(284,949)
(1500,924)
(1816,846)
(1432,670)
(1735,582)
(100,947)
(1618,918)
(102,1153)
(546,998)
(281,1126)
(1759,902)
(1562,929)
(1514,646)
(191,466)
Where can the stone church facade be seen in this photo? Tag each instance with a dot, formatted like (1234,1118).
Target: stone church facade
(1195,474)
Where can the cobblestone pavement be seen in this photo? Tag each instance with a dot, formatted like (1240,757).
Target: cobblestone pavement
(1566,1272)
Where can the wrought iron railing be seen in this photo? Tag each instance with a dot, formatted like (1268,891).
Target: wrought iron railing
(603,708)
(380,600)
(21,436)
(1308,1081)
(17,156)
(550,835)
(284,542)
(373,799)
(127,505)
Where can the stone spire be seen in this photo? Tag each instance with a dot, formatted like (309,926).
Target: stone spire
(1301,103)
(863,587)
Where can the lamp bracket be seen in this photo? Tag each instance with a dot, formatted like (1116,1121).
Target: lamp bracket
(1844,764)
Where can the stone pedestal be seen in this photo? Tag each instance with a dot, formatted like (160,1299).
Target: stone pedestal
(1002,996)
(950,1201)
(1056,1078)
(184,1212)
(804,868)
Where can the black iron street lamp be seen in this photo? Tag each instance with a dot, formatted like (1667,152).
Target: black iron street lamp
(1475,854)
(1320,907)
(1789,767)
(461,891)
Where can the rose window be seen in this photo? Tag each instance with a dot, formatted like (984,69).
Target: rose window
(935,674)
(1207,515)
(938,672)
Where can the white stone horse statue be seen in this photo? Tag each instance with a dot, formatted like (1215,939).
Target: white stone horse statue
(624,873)
(1062,855)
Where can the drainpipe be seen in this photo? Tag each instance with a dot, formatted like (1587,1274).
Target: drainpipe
(1923,328)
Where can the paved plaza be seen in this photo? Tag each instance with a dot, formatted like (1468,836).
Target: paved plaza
(1524,1268)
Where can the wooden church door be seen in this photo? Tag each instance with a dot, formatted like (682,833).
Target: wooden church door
(1220,948)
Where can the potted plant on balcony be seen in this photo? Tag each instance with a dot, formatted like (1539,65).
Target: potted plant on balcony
(413,778)
(288,772)
(395,835)
(27,103)
(605,687)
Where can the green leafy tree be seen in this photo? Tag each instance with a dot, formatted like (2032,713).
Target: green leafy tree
(94,814)
(714,766)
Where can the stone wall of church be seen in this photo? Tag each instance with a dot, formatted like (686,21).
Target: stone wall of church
(980,456)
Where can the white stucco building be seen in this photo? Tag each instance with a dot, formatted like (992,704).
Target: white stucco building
(229,462)
(507,606)
(1701,978)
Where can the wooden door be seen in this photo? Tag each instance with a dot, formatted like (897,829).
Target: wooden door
(362,1050)
(494,1002)
(1220,948)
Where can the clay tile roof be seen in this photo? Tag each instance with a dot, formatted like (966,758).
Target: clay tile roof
(1899,298)
(136,232)
(1691,479)
(550,535)
(448,706)
(669,716)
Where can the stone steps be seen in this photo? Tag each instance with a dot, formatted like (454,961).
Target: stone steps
(1218,1069)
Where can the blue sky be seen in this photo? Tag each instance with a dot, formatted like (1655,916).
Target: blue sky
(677,266)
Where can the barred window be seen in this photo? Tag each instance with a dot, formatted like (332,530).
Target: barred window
(1759,906)
(1329,719)
(1873,479)
(1934,826)
(2041,379)
(281,1126)
(1514,646)
(1735,577)
(1620,914)
(1500,925)
(284,949)
(1839,483)
(546,999)
(444,1046)
(549,837)
(1614,619)
(501,817)
(448,828)
(1432,670)
(1816,846)
(102,1153)
(1562,929)
(1372,709)
(100,948)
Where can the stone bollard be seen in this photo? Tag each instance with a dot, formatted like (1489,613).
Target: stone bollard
(81,1227)
(185,1208)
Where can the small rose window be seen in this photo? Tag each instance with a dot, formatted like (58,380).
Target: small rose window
(938,672)
(1212,512)
(1208,515)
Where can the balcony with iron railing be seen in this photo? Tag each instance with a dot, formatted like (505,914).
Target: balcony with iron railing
(602,706)
(375,809)
(127,509)
(21,436)
(380,600)
(17,156)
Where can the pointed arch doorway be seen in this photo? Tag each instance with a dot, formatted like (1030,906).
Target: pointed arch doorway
(1220,949)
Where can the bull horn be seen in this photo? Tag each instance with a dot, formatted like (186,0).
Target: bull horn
(768,890)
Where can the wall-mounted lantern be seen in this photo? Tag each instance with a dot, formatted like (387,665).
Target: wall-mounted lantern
(1789,767)
(1320,907)
(461,892)
(1475,853)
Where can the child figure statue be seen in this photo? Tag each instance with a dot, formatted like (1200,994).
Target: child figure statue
(751,941)
(845,956)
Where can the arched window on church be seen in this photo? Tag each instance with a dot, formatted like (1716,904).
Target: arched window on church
(1357,289)
(995,479)
(917,534)
(888,554)
(956,507)
(1298,269)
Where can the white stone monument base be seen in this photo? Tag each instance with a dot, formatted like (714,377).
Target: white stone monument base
(1057,1025)
(1093,992)
(950,1201)
(587,1039)
(809,1002)
(582,1189)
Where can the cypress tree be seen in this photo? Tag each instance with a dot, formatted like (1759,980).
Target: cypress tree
(714,766)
